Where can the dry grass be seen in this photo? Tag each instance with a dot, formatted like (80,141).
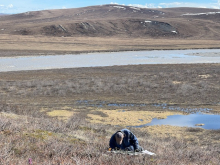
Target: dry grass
(126,84)
(61,114)
(109,21)
(49,141)
(125,117)
(28,130)
(15,45)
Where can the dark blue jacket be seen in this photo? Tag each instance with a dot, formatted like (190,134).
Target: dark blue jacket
(129,142)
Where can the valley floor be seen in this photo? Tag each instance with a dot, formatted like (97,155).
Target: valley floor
(18,45)
(67,116)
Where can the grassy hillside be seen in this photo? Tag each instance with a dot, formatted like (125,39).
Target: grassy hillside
(117,20)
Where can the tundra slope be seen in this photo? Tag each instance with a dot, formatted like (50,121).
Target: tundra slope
(117,21)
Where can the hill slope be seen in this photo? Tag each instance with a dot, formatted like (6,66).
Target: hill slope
(116,20)
(1,14)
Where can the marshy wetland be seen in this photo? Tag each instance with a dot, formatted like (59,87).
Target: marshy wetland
(68,115)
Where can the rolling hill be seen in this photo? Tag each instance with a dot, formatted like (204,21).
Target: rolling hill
(1,14)
(116,20)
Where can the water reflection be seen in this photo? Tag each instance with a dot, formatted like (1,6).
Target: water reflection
(210,121)
(187,110)
(125,105)
(103,103)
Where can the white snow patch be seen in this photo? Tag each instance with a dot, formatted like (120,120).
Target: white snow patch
(208,13)
(120,7)
(135,8)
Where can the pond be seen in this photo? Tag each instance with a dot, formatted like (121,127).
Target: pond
(164,106)
(109,59)
(197,115)
(210,121)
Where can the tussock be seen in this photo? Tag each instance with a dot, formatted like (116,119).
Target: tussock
(28,132)
(49,141)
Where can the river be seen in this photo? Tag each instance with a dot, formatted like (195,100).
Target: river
(109,59)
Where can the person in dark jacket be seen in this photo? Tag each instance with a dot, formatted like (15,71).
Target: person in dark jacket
(124,140)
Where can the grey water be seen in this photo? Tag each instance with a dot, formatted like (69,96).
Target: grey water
(183,109)
(163,106)
(109,59)
(210,121)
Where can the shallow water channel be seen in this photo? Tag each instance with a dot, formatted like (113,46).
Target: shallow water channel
(109,59)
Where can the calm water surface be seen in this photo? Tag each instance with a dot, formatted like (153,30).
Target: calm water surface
(108,59)
(210,121)
(197,115)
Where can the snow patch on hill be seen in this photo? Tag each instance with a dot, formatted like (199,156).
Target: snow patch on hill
(208,13)
(135,8)
(120,7)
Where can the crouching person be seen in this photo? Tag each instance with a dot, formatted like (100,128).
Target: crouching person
(124,140)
